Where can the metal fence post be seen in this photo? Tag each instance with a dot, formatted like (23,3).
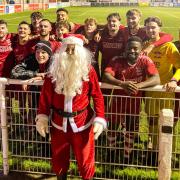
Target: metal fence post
(4,129)
(165,144)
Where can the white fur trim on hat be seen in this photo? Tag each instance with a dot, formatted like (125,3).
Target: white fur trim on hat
(73,40)
(101,121)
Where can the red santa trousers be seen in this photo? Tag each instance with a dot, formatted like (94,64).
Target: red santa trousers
(82,144)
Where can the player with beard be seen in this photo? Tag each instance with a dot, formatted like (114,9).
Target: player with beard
(67,91)
(131,73)
(62,15)
(134,28)
(45,29)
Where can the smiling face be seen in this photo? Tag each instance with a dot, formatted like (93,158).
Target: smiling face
(35,21)
(90,26)
(23,30)
(45,28)
(152,30)
(3,30)
(133,50)
(133,21)
(61,16)
(113,24)
(60,30)
(41,56)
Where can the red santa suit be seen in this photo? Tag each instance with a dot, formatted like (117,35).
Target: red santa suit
(76,131)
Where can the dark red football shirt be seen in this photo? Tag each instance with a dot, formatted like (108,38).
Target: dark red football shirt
(22,51)
(110,47)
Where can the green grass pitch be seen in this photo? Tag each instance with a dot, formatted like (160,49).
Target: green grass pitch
(170,16)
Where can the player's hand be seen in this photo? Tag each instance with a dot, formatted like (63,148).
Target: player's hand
(170,86)
(41,75)
(60,35)
(33,36)
(38,78)
(86,41)
(97,37)
(147,50)
(25,87)
(52,37)
(130,87)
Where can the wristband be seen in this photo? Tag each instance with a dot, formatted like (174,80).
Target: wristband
(173,79)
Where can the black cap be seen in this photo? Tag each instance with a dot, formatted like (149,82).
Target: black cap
(44,45)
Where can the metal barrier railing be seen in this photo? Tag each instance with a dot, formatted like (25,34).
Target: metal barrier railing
(128,150)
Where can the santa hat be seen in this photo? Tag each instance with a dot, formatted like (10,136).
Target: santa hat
(76,39)
(44,45)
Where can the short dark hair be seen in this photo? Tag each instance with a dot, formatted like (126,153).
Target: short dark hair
(3,22)
(132,12)
(114,15)
(93,20)
(62,9)
(63,24)
(36,14)
(136,39)
(24,22)
(47,21)
(153,19)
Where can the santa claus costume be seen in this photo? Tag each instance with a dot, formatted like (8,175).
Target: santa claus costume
(67,92)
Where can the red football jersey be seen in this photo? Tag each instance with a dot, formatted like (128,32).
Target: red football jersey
(120,69)
(22,51)
(55,45)
(6,55)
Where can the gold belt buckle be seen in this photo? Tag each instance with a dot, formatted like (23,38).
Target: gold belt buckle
(76,113)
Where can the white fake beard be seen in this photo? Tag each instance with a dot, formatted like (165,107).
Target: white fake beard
(69,73)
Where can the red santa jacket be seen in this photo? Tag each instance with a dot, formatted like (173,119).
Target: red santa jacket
(49,98)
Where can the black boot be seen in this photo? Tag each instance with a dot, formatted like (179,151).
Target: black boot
(62,177)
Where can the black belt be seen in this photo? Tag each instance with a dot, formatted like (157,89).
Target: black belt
(63,113)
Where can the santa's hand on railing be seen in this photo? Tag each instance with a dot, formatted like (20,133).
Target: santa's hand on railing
(98,129)
(42,125)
